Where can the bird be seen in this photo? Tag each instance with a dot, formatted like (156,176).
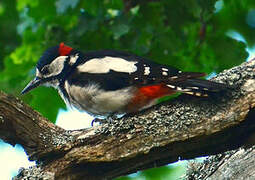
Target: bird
(111,82)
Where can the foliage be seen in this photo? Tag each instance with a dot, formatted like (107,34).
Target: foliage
(191,35)
(167,172)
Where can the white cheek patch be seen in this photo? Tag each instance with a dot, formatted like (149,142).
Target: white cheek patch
(104,65)
(56,66)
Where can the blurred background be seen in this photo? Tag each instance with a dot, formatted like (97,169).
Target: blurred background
(193,35)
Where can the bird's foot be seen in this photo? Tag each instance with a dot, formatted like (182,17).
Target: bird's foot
(97,120)
(106,120)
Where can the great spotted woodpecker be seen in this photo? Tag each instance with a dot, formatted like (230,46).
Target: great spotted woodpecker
(113,82)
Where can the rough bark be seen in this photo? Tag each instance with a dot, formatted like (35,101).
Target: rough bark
(183,128)
(235,164)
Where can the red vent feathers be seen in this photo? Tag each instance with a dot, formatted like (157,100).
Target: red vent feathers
(64,50)
(147,94)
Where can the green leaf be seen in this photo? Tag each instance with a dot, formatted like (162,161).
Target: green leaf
(63,5)
(47,102)
(27,3)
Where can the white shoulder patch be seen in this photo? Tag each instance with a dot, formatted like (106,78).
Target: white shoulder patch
(104,65)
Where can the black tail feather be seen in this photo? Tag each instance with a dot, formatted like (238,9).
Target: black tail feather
(183,76)
(198,87)
(206,85)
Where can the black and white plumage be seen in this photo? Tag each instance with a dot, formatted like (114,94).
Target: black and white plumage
(113,82)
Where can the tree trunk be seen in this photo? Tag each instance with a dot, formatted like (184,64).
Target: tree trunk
(184,128)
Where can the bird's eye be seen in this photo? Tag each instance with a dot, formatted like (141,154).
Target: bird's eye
(45,70)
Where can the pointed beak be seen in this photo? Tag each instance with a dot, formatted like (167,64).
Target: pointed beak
(32,84)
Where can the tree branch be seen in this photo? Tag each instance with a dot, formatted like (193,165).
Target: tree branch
(184,128)
(235,164)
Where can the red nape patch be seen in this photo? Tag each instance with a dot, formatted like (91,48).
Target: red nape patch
(145,95)
(64,50)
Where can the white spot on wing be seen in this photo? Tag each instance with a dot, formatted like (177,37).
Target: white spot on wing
(186,89)
(104,65)
(146,70)
(174,77)
(164,73)
(191,93)
(164,69)
(198,94)
(171,86)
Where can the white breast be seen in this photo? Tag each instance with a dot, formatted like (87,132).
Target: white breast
(96,101)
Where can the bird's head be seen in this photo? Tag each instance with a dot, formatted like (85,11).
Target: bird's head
(51,67)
